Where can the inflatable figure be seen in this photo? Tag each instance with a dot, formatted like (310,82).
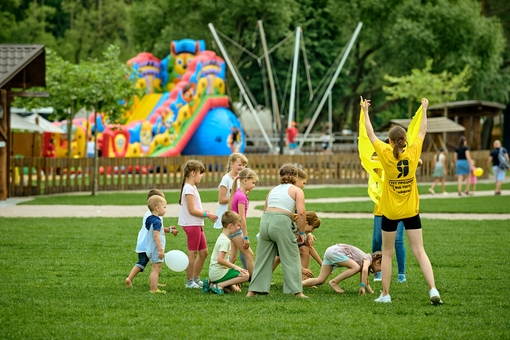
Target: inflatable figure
(146,69)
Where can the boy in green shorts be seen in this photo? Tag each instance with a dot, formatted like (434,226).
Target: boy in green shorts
(224,276)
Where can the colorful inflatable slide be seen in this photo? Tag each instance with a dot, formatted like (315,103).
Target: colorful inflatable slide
(184,109)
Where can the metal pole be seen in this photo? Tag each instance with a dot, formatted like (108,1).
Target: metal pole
(282,121)
(294,78)
(330,86)
(239,84)
(330,120)
(274,100)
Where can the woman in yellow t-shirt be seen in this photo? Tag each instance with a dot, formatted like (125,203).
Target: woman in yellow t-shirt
(400,200)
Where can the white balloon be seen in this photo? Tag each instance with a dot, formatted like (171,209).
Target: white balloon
(176,260)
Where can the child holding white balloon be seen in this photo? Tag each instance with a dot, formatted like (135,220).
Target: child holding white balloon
(191,219)
(224,276)
(239,203)
(156,240)
(141,244)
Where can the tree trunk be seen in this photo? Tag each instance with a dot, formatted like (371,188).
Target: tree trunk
(94,171)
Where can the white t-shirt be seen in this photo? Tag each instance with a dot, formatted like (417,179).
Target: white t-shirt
(216,270)
(226,182)
(185,218)
(90,147)
(141,243)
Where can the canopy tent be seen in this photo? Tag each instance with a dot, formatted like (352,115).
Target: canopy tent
(18,123)
(43,123)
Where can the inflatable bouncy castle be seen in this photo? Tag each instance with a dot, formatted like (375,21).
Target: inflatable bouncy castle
(184,109)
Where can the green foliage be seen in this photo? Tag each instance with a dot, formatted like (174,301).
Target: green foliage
(437,88)
(64,278)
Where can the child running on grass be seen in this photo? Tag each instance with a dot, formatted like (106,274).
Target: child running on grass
(156,240)
(191,219)
(141,244)
(352,258)
(239,204)
(236,163)
(224,276)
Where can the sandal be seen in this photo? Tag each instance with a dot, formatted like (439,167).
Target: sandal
(216,289)
(205,286)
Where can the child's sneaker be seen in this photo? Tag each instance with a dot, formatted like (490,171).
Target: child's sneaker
(402,278)
(159,291)
(378,276)
(435,299)
(192,284)
(198,282)
(432,191)
(383,299)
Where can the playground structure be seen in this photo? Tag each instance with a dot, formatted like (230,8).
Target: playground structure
(184,110)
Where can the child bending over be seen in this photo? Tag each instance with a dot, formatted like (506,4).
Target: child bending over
(352,258)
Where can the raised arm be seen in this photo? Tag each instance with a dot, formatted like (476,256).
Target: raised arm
(368,125)
(423,125)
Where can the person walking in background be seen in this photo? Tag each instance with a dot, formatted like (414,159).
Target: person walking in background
(276,235)
(90,147)
(191,219)
(400,201)
(462,160)
(500,161)
(292,134)
(325,139)
(439,171)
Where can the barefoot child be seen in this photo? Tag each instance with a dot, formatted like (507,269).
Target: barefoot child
(191,219)
(224,276)
(239,204)
(352,258)
(156,240)
(141,244)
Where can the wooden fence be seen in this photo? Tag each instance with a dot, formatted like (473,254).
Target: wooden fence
(45,176)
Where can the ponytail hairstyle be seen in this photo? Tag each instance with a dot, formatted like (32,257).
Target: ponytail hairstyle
(398,136)
(234,157)
(246,173)
(375,257)
(288,174)
(189,167)
(462,140)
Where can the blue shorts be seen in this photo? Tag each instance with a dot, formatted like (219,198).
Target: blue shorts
(293,145)
(333,256)
(499,174)
(143,259)
(462,167)
(238,232)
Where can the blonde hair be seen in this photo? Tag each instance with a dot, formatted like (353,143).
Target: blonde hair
(154,202)
(398,136)
(189,167)
(302,174)
(311,218)
(234,157)
(246,173)
(154,192)
(288,174)
(229,217)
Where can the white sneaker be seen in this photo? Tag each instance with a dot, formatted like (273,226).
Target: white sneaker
(432,191)
(445,193)
(198,282)
(383,299)
(378,277)
(435,299)
(192,284)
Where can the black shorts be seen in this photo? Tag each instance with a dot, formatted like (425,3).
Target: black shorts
(409,223)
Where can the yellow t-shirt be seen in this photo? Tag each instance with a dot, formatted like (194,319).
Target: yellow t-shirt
(400,193)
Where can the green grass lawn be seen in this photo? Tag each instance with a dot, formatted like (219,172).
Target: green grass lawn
(207,195)
(63,278)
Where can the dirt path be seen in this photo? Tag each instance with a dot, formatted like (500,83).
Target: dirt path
(10,209)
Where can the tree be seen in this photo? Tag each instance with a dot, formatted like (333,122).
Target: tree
(437,88)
